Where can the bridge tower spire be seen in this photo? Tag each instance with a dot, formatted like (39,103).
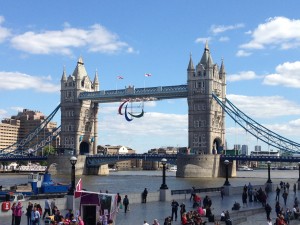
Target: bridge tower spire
(78,117)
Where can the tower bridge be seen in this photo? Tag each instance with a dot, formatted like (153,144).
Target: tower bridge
(80,98)
(205,92)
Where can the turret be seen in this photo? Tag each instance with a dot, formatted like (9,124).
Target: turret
(191,68)
(222,72)
(63,80)
(96,82)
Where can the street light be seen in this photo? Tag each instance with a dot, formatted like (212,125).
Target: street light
(226,162)
(73,161)
(269,174)
(299,171)
(164,162)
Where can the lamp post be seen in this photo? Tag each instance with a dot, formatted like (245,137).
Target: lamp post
(299,171)
(226,162)
(164,185)
(73,161)
(269,174)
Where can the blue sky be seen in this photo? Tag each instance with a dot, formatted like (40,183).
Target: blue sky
(259,41)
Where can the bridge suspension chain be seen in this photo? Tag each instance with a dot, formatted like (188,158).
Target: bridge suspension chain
(259,131)
(31,135)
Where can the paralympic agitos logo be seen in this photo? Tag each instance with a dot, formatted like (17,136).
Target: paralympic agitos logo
(126,113)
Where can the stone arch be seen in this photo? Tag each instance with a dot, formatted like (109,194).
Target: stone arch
(84,148)
(217,146)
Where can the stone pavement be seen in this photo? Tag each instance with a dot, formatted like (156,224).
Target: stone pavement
(160,210)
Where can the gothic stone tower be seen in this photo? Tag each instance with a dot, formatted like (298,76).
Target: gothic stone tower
(78,117)
(206,128)
(206,117)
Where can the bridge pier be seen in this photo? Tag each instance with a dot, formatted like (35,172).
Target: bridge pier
(194,166)
(61,165)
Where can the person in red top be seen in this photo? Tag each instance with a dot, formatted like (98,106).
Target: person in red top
(184,220)
(80,221)
(18,213)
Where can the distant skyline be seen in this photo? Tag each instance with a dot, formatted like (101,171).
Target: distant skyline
(258,40)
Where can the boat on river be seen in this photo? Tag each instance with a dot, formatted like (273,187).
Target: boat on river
(173,169)
(244,168)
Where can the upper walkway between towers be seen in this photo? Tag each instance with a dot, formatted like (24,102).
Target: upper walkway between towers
(136,94)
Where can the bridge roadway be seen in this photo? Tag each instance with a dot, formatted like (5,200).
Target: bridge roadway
(97,160)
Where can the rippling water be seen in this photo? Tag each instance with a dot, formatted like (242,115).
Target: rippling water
(135,181)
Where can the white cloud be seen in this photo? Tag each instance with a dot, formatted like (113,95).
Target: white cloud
(277,31)
(287,74)
(16,80)
(244,75)
(3,113)
(216,29)
(224,39)
(202,40)
(265,106)
(4,32)
(17,108)
(243,53)
(96,39)
(154,129)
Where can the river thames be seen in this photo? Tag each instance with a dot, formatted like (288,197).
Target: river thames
(135,181)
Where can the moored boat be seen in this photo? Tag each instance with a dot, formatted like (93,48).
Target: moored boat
(244,168)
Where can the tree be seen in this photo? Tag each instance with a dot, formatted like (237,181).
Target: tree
(49,150)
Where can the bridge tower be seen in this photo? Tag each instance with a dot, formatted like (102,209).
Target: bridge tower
(79,117)
(206,123)
(206,117)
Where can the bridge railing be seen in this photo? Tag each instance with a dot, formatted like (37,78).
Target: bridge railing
(199,190)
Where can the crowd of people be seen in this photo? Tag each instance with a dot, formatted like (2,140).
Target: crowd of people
(34,213)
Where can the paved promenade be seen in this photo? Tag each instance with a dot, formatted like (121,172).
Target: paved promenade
(159,210)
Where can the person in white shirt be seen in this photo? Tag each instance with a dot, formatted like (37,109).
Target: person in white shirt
(145,223)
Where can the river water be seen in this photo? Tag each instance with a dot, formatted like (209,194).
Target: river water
(135,181)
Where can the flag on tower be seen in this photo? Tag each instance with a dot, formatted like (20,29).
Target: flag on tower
(78,189)
(148,75)
(120,77)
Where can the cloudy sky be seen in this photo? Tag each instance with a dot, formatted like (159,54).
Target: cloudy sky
(258,40)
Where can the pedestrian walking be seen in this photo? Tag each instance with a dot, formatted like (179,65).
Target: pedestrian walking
(222,193)
(47,208)
(277,193)
(284,196)
(13,207)
(126,203)
(268,210)
(244,199)
(174,206)
(193,191)
(28,212)
(144,195)
(119,200)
